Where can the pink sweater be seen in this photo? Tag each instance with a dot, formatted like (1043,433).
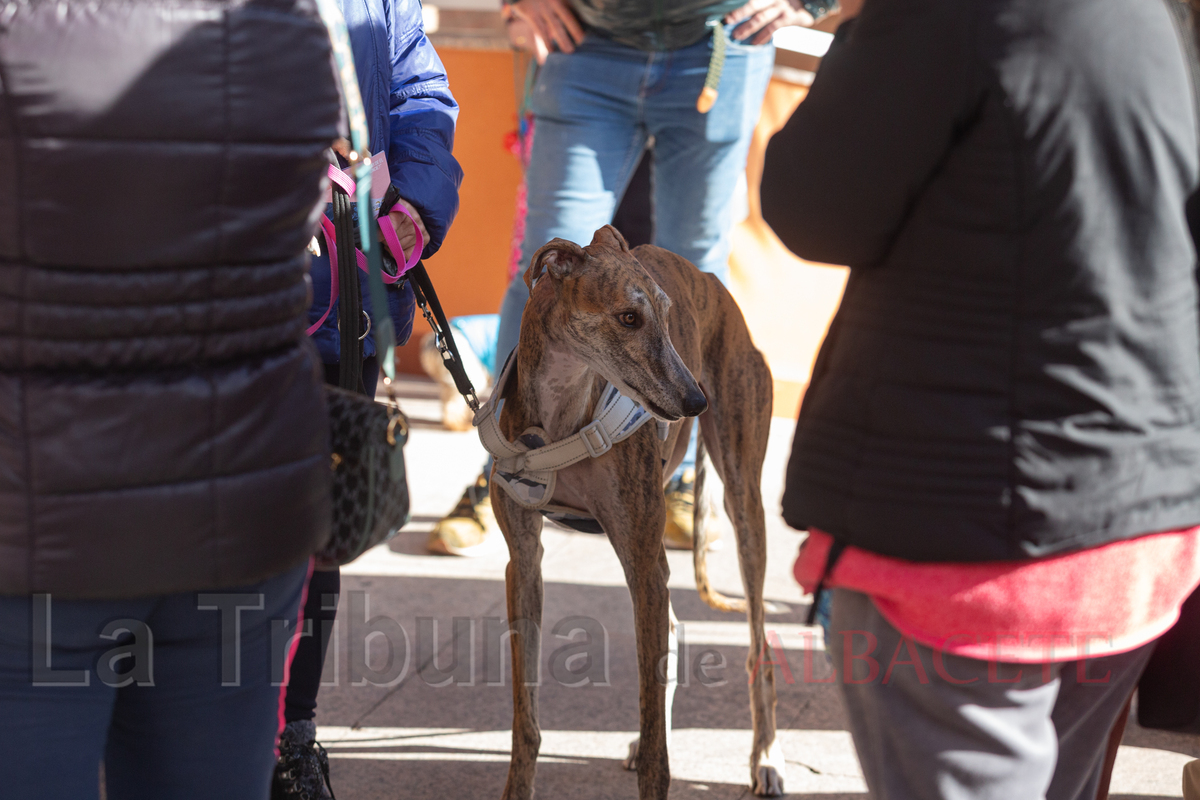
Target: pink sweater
(1095,602)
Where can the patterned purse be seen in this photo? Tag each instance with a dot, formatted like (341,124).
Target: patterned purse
(370,485)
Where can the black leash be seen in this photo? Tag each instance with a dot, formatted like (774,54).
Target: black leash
(431,308)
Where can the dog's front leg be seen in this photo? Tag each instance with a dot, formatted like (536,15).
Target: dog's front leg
(672,678)
(636,534)
(523,583)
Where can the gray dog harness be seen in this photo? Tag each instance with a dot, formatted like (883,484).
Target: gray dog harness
(527,468)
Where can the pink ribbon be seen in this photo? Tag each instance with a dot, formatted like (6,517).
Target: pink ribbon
(386,231)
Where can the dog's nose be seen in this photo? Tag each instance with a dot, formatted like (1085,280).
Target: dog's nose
(694,403)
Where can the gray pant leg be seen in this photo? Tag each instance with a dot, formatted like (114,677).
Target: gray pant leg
(1087,707)
(947,728)
(922,737)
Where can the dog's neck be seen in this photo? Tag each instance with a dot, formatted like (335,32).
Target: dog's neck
(557,392)
(555,389)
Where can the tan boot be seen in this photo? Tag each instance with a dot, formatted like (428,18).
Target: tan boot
(681,504)
(470,529)
(1191,780)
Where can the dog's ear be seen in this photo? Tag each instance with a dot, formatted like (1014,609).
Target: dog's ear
(558,257)
(612,237)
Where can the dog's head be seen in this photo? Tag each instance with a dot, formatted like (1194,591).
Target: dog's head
(612,315)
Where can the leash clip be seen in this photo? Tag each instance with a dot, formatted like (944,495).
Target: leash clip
(595,439)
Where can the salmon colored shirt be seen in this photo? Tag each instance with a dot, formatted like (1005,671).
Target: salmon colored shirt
(1096,602)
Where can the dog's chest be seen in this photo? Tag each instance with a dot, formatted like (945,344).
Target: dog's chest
(564,393)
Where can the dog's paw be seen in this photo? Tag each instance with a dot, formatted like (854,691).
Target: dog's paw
(631,759)
(767,772)
(768,782)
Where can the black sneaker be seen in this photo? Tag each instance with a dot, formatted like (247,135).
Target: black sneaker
(302,772)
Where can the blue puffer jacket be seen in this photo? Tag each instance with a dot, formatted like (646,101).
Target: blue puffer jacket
(411,114)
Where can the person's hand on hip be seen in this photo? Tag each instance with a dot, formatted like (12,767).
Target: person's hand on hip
(534,24)
(759,19)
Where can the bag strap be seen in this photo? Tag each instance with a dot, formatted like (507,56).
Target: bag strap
(350,309)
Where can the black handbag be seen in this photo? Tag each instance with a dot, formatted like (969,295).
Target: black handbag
(370,484)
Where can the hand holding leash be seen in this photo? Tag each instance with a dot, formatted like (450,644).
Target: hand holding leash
(407,226)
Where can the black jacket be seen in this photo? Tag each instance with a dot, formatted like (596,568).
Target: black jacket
(162,423)
(1015,367)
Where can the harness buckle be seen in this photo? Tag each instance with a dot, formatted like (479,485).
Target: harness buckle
(595,439)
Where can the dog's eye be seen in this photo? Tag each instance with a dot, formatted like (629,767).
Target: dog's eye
(629,319)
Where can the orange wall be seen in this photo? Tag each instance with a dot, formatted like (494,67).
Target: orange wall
(470,271)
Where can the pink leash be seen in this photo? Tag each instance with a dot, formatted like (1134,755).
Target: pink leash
(386,231)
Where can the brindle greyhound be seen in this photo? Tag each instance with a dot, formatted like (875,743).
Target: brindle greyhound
(603,315)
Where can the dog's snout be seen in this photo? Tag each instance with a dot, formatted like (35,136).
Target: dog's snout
(694,402)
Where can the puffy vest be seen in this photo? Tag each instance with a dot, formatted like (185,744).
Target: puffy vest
(162,422)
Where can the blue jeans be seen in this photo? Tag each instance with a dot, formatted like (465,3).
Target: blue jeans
(186,736)
(596,110)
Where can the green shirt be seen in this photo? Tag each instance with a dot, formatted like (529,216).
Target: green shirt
(653,24)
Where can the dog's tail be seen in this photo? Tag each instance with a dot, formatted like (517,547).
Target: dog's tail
(700,541)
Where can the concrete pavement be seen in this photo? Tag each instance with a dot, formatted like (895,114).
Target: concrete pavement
(416,739)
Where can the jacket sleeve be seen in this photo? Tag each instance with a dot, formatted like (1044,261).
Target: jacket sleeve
(841,176)
(422,118)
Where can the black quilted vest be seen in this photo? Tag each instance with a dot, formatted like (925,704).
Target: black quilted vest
(162,424)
